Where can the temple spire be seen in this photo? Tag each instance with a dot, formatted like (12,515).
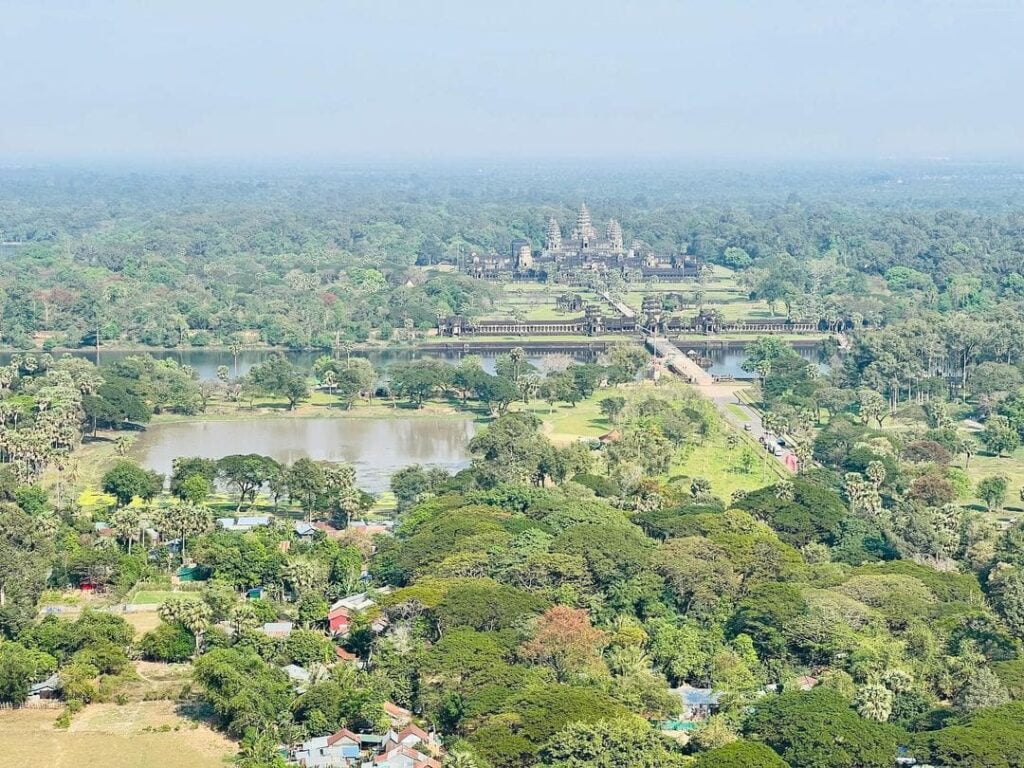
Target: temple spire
(554,236)
(584,231)
(615,235)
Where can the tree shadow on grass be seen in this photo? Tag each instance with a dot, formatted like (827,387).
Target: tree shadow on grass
(196,710)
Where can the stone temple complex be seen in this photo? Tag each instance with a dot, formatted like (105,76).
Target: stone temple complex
(568,258)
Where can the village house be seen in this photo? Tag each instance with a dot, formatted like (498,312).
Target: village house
(242,524)
(340,615)
(697,703)
(348,657)
(299,677)
(339,750)
(279,630)
(412,737)
(345,749)
(405,757)
(47,689)
(371,528)
(328,530)
(399,716)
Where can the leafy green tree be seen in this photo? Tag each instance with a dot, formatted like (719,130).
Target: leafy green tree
(992,490)
(409,484)
(307,484)
(311,609)
(185,467)
(20,667)
(983,689)
(485,606)
(818,729)
(611,407)
(741,754)
(609,744)
(25,552)
(183,521)
(999,436)
(278,377)
(988,738)
(304,647)
(260,749)
(871,405)
(246,473)
(127,480)
(125,521)
(114,404)
(245,691)
(874,701)
(170,643)
(193,615)
(539,712)
(420,379)
(510,449)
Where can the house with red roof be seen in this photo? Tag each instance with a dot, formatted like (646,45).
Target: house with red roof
(399,716)
(405,757)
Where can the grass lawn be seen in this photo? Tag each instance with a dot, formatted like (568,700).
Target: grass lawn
(719,463)
(111,736)
(158,596)
(565,424)
(1011,467)
(718,460)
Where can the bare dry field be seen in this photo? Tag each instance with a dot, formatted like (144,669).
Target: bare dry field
(111,736)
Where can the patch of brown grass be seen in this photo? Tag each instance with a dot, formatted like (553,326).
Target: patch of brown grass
(111,736)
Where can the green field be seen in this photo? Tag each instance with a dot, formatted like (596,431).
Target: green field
(536,301)
(158,596)
(565,423)
(717,459)
(1011,467)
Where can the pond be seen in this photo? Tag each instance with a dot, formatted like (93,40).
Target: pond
(375,447)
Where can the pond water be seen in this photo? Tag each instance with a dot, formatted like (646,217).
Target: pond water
(375,447)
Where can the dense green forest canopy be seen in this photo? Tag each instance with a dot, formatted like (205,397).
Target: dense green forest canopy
(167,258)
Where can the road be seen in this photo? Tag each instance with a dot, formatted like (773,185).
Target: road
(723,395)
(626,310)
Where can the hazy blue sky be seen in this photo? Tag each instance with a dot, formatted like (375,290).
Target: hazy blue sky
(561,78)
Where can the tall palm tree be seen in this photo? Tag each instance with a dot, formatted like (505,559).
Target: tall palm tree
(125,523)
(874,701)
(300,574)
(244,618)
(194,615)
(329,380)
(184,520)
